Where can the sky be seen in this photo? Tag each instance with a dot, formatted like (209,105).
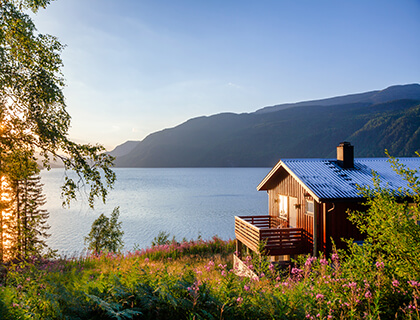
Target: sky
(134,67)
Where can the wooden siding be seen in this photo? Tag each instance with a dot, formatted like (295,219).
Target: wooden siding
(288,186)
(338,225)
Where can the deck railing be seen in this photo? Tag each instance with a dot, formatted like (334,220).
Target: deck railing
(279,239)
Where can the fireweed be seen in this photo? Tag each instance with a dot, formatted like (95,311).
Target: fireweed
(195,280)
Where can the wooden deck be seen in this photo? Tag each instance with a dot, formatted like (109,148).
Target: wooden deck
(278,237)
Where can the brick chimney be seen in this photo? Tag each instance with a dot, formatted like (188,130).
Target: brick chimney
(345,155)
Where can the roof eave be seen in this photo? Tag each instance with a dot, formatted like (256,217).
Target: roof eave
(269,176)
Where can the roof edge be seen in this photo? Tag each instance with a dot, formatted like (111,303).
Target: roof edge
(280,164)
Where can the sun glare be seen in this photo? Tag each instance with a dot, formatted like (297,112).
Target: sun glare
(6,216)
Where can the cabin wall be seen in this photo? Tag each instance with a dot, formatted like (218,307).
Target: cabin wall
(288,186)
(338,225)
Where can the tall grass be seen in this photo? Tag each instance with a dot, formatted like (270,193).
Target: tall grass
(195,280)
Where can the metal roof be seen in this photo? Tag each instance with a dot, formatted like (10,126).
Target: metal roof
(326,180)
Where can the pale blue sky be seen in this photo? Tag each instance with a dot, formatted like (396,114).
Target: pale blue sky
(134,67)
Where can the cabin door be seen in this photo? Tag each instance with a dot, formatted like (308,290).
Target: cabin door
(293,212)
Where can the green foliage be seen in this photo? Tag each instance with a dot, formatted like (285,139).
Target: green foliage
(161,239)
(391,224)
(106,233)
(33,113)
(141,285)
(34,120)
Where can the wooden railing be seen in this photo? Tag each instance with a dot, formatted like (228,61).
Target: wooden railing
(279,239)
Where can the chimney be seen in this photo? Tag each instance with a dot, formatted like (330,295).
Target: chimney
(345,155)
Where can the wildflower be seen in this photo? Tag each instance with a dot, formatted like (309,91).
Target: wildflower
(380,265)
(413,283)
(395,283)
(239,300)
(319,296)
(329,317)
(309,261)
(271,267)
(368,294)
(251,266)
(334,257)
(246,288)
(296,271)
(262,275)
(146,260)
(15,305)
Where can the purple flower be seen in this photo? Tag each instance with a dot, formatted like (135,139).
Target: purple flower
(395,283)
(413,283)
(309,261)
(368,294)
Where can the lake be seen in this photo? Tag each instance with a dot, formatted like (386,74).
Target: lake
(184,202)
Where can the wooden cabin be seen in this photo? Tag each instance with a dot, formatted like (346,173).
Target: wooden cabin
(308,203)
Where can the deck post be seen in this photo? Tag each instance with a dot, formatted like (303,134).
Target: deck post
(316,229)
(238,249)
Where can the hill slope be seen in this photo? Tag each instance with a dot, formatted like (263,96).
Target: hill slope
(308,129)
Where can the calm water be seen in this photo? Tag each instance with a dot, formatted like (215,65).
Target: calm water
(185,202)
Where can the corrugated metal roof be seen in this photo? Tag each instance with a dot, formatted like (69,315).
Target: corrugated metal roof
(327,180)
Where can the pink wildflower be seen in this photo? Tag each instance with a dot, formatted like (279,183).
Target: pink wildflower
(309,261)
(395,283)
(380,265)
(368,294)
(246,288)
(413,283)
(319,296)
(240,299)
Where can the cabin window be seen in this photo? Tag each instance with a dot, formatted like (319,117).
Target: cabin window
(283,207)
(310,208)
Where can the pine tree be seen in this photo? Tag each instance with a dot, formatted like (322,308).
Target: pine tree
(31,219)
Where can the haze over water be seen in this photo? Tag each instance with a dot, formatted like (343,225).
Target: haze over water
(185,202)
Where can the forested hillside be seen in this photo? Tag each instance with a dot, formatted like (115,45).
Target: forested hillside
(300,130)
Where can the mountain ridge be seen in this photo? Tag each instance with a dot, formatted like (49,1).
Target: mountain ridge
(305,129)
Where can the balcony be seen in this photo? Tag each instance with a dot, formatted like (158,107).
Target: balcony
(279,239)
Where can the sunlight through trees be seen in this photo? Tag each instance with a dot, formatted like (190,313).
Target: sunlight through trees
(34,128)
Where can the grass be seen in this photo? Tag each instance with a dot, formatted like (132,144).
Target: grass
(195,280)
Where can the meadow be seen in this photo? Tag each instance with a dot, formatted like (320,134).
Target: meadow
(195,280)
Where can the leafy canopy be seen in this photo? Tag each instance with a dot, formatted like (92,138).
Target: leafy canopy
(33,116)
